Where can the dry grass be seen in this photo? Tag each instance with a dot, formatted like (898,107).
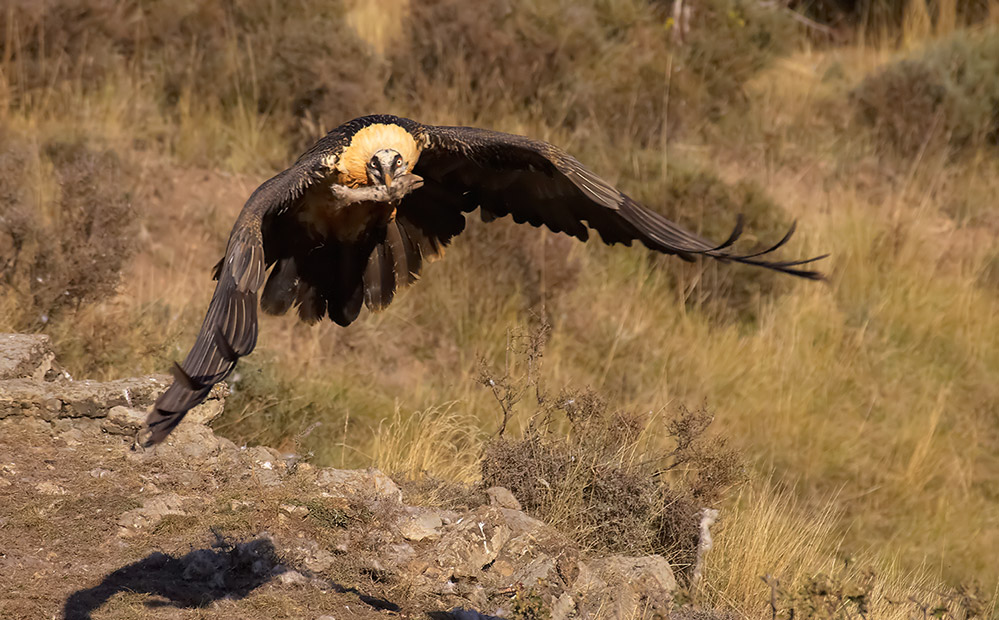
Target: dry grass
(870,399)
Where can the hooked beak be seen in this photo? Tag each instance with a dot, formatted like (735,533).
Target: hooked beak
(388,179)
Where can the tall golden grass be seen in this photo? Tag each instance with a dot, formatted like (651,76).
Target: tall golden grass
(865,406)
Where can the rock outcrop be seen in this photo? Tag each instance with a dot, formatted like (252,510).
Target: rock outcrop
(345,531)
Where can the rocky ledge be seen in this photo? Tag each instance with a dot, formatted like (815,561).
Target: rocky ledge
(97,523)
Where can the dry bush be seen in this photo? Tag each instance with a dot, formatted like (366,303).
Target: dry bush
(704,203)
(600,484)
(594,67)
(843,597)
(886,15)
(57,41)
(612,480)
(697,613)
(296,62)
(947,94)
(66,249)
(515,258)
(908,127)
(729,42)
(573,65)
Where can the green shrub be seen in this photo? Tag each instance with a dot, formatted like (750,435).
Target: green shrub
(904,127)
(728,43)
(947,94)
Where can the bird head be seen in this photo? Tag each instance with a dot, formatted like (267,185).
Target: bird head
(384,166)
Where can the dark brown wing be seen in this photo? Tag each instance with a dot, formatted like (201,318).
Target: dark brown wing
(229,330)
(538,183)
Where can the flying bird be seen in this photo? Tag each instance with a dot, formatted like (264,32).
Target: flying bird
(354,219)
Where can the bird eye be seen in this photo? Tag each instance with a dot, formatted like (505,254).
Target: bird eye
(397,162)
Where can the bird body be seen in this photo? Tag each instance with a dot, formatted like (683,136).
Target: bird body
(356,216)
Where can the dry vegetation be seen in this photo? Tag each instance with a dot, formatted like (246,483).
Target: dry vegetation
(865,409)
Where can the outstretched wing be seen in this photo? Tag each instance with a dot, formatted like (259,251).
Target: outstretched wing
(229,330)
(538,183)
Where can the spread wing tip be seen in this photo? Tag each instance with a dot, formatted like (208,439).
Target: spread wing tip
(789,267)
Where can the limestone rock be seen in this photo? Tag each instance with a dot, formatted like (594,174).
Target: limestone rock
(50,488)
(629,586)
(76,399)
(420,524)
(564,607)
(25,356)
(502,497)
(292,578)
(369,482)
(151,512)
(123,420)
(470,544)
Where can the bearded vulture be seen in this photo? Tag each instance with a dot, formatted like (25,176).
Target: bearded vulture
(356,216)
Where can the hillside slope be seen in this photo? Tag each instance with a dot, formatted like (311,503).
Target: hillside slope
(95,526)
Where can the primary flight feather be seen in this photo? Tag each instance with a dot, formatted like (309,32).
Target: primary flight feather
(355,217)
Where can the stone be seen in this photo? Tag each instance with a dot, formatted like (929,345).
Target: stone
(76,399)
(194,442)
(626,586)
(294,510)
(292,578)
(319,560)
(502,497)
(50,488)
(563,607)
(25,356)
(420,524)
(466,547)
(123,420)
(151,512)
(348,482)
(206,412)
(127,420)
(73,437)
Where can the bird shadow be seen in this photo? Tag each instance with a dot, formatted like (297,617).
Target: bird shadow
(196,579)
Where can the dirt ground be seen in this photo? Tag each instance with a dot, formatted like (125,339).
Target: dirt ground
(94,526)
(69,549)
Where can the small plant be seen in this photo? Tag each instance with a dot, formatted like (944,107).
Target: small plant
(527,604)
(613,480)
(324,515)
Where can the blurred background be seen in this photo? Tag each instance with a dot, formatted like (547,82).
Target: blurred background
(848,430)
